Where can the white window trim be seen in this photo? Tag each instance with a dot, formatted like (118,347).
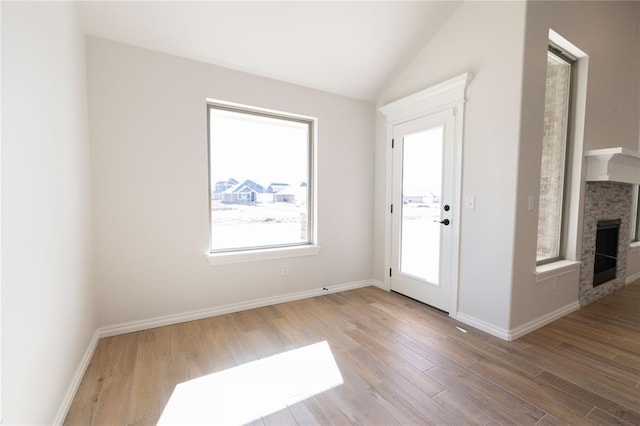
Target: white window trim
(224,258)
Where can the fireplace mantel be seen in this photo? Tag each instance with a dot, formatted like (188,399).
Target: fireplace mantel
(613,165)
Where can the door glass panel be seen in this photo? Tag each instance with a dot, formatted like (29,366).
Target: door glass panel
(421,195)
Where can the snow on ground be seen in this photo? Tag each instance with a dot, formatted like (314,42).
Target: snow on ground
(268,224)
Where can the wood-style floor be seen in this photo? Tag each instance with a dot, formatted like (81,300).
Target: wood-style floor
(401,363)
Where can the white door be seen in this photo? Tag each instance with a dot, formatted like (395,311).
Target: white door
(422,219)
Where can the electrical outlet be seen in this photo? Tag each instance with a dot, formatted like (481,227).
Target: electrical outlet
(285,269)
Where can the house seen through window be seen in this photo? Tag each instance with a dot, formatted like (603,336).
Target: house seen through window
(260,176)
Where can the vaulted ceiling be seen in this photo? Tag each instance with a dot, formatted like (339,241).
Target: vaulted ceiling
(348,48)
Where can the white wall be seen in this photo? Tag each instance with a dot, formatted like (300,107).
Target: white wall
(149,184)
(608,33)
(485,39)
(47,299)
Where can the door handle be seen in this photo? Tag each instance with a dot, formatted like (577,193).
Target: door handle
(444,222)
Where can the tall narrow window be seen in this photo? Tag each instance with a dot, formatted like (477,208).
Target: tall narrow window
(635,216)
(554,157)
(260,176)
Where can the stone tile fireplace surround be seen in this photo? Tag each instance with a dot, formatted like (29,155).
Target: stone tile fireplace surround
(604,201)
(610,176)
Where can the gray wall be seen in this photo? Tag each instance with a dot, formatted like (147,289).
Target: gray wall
(149,165)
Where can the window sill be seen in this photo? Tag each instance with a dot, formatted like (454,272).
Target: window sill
(260,255)
(635,245)
(555,269)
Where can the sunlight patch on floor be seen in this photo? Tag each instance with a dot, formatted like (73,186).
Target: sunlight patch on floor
(247,392)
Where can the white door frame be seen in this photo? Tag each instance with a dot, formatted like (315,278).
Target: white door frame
(448,95)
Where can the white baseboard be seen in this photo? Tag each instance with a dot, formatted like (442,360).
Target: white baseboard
(543,320)
(483,325)
(129,327)
(632,278)
(515,333)
(75,381)
(380,284)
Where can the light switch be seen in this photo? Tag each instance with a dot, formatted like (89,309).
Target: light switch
(470,202)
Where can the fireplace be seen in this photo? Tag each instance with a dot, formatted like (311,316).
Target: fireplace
(604,242)
(606,255)
(609,178)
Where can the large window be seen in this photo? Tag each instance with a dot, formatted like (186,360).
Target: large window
(554,157)
(260,178)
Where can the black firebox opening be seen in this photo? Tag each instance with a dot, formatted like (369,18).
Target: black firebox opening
(604,268)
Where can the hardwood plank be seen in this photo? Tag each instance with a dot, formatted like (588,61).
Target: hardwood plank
(583,375)
(603,418)
(621,372)
(573,328)
(415,396)
(415,378)
(401,363)
(361,407)
(570,409)
(507,355)
(485,394)
(281,417)
(550,420)
(398,407)
(323,408)
(390,352)
(593,346)
(146,391)
(605,404)
(454,402)
(115,404)
(303,415)
(80,416)
(195,357)
(148,421)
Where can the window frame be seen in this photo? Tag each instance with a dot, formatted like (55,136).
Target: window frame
(562,231)
(634,232)
(242,254)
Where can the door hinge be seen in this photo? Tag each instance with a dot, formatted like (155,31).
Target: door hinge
(391,208)
(390,272)
(393,143)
